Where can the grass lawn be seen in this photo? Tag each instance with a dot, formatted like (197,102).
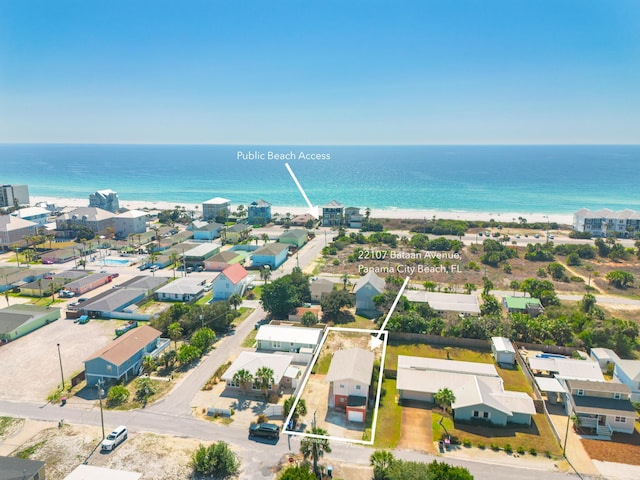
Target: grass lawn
(162,387)
(244,313)
(395,348)
(206,298)
(257,292)
(323,363)
(250,339)
(359,322)
(389,416)
(514,379)
(538,436)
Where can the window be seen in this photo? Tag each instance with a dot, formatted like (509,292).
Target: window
(621,419)
(617,395)
(476,413)
(580,392)
(485,414)
(342,385)
(358,387)
(276,344)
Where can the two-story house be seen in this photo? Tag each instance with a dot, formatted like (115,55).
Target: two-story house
(366,288)
(232,280)
(603,406)
(349,377)
(215,208)
(332,214)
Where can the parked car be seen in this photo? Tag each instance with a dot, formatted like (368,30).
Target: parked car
(267,430)
(115,438)
(155,268)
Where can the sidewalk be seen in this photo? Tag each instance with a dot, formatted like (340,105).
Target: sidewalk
(575,452)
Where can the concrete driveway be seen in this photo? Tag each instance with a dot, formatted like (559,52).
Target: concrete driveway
(415,430)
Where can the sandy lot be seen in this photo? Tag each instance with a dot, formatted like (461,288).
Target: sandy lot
(30,366)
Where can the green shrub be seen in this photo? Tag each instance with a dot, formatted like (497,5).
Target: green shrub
(521,450)
(533,451)
(336,262)
(216,459)
(117,395)
(495,447)
(507,448)
(547,453)
(481,446)
(575,278)
(466,442)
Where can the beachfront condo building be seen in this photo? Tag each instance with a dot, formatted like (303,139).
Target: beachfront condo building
(106,200)
(14,195)
(605,222)
(96,219)
(215,208)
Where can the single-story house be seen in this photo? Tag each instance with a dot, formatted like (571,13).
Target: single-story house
(199,254)
(208,232)
(349,377)
(18,320)
(319,287)
(366,288)
(529,305)
(184,289)
(271,254)
(88,283)
(121,359)
(503,351)
(40,287)
(285,376)
(296,237)
(232,280)
(628,372)
(237,233)
(86,472)
(302,220)
(222,260)
(59,256)
(604,357)
(15,468)
(477,387)
(604,406)
(285,338)
(563,367)
(457,303)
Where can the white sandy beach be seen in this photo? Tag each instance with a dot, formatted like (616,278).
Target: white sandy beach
(375,213)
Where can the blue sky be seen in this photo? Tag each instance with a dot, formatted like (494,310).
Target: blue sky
(330,72)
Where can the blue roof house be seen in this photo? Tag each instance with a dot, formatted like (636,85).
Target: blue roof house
(272,254)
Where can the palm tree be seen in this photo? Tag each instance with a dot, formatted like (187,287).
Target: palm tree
(235,300)
(265,238)
(444,398)
(315,448)
(264,376)
(173,258)
(345,280)
(149,364)
(300,411)
(175,332)
(40,286)
(265,274)
(243,378)
(381,460)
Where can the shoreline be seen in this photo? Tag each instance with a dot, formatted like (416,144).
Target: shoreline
(391,213)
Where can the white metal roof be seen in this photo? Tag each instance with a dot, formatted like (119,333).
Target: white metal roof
(285,333)
(502,344)
(568,367)
(188,285)
(546,384)
(445,302)
(252,361)
(604,354)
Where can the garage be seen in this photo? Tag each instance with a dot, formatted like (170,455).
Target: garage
(355,416)
(415,395)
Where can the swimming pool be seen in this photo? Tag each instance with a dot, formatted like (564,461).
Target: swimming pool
(116,262)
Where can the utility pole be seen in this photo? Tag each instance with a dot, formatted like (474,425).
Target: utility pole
(61,372)
(100,391)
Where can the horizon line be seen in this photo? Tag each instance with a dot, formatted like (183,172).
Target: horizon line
(330,144)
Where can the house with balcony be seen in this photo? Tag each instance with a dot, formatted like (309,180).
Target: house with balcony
(105,199)
(332,214)
(94,218)
(259,212)
(121,359)
(349,378)
(603,406)
(352,217)
(601,223)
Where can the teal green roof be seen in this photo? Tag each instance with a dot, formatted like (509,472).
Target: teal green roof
(520,303)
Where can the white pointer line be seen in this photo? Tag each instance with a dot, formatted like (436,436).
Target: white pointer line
(313,210)
(393,307)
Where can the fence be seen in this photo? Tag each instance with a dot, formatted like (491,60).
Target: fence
(557,349)
(438,340)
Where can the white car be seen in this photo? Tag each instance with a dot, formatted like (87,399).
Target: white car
(115,438)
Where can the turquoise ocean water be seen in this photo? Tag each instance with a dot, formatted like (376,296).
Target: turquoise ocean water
(538,179)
